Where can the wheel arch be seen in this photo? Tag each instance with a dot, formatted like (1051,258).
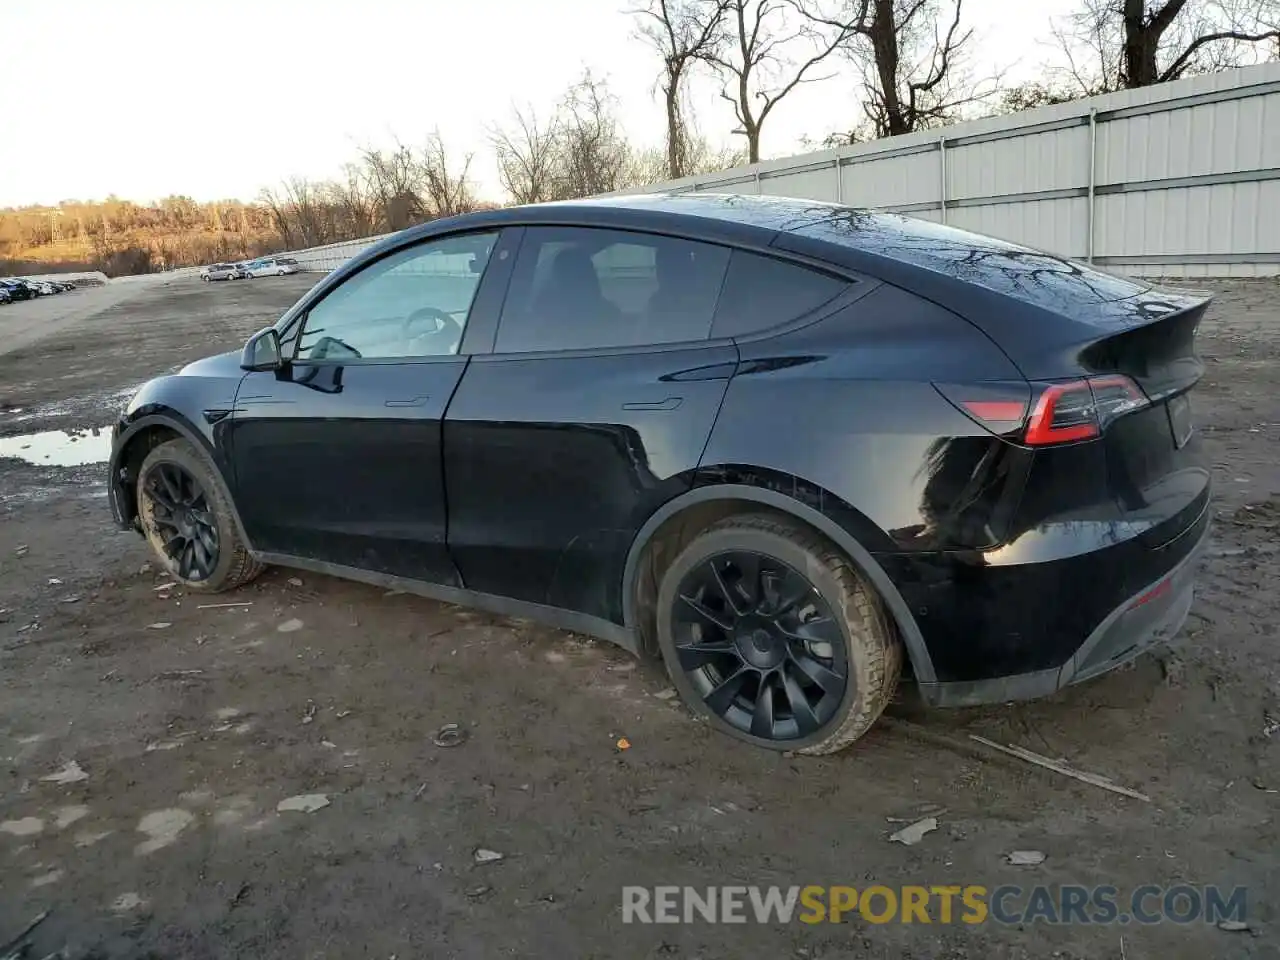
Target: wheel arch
(142,436)
(722,499)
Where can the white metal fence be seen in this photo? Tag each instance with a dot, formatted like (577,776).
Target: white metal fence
(1179,180)
(331,255)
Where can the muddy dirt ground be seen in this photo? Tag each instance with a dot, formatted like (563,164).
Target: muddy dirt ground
(190,725)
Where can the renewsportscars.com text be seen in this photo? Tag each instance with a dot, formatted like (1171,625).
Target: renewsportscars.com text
(941,904)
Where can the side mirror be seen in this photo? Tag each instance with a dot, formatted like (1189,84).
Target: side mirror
(262,351)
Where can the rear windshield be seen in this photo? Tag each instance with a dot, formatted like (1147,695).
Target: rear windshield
(1034,276)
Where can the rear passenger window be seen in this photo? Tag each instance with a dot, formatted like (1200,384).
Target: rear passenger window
(578,288)
(761,292)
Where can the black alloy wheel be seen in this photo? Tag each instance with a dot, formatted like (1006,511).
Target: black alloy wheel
(184,522)
(759,644)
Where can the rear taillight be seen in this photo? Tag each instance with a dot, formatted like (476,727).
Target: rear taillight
(1081,409)
(1000,406)
(1058,412)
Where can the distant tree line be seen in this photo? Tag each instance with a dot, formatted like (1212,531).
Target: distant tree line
(123,237)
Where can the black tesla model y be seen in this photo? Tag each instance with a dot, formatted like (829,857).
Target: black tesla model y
(790,448)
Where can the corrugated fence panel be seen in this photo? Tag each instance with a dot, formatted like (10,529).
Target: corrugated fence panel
(1059,225)
(815,184)
(892,182)
(1216,138)
(1220,220)
(1178,179)
(1054,160)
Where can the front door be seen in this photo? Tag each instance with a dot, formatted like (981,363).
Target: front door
(337,457)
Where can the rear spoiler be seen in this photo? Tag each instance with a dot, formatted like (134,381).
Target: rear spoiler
(1157,349)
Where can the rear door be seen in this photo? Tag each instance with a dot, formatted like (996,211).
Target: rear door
(593,409)
(337,458)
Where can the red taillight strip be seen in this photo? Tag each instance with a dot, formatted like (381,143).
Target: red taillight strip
(997,411)
(1040,430)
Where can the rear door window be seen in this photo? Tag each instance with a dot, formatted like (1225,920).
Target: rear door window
(578,288)
(761,292)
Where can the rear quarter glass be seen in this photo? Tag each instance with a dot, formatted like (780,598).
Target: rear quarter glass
(763,292)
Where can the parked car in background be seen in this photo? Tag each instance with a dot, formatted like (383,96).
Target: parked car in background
(43,287)
(271,267)
(785,446)
(18,289)
(5,296)
(220,271)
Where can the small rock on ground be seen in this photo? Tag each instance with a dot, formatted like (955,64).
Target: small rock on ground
(303,803)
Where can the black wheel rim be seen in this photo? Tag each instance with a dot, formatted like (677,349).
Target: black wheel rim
(183,520)
(760,645)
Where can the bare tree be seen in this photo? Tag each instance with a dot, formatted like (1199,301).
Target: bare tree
(646,166)
(1032,94)
(912,57)
(757,72)
(683,32)
(594,154)
(1116,44)
(277,207)
(705,158)
(394,177)
(528,157)
(354,208)
(298,212)
(446,186)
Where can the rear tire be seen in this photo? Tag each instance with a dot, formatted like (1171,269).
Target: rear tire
(186,515)
(768,631)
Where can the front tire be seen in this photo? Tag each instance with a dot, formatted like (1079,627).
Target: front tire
(186,516)
(768,631)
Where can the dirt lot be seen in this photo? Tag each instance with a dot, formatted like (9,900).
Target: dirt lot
(191,724)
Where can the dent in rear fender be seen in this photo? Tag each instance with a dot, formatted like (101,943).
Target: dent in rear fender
(985,620)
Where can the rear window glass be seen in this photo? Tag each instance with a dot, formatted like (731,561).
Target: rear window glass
(761,292)
(584,288)
(1048,281)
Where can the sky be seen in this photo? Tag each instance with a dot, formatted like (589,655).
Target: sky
(148,98)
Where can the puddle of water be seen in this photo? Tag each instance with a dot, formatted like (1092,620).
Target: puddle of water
(108,399)
(59,448)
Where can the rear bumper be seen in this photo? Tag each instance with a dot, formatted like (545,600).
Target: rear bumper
(1151,616)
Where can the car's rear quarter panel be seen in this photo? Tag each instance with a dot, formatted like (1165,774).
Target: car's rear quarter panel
(848,405)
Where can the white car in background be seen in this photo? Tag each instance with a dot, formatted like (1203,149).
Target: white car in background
(271,267)
(220,271)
